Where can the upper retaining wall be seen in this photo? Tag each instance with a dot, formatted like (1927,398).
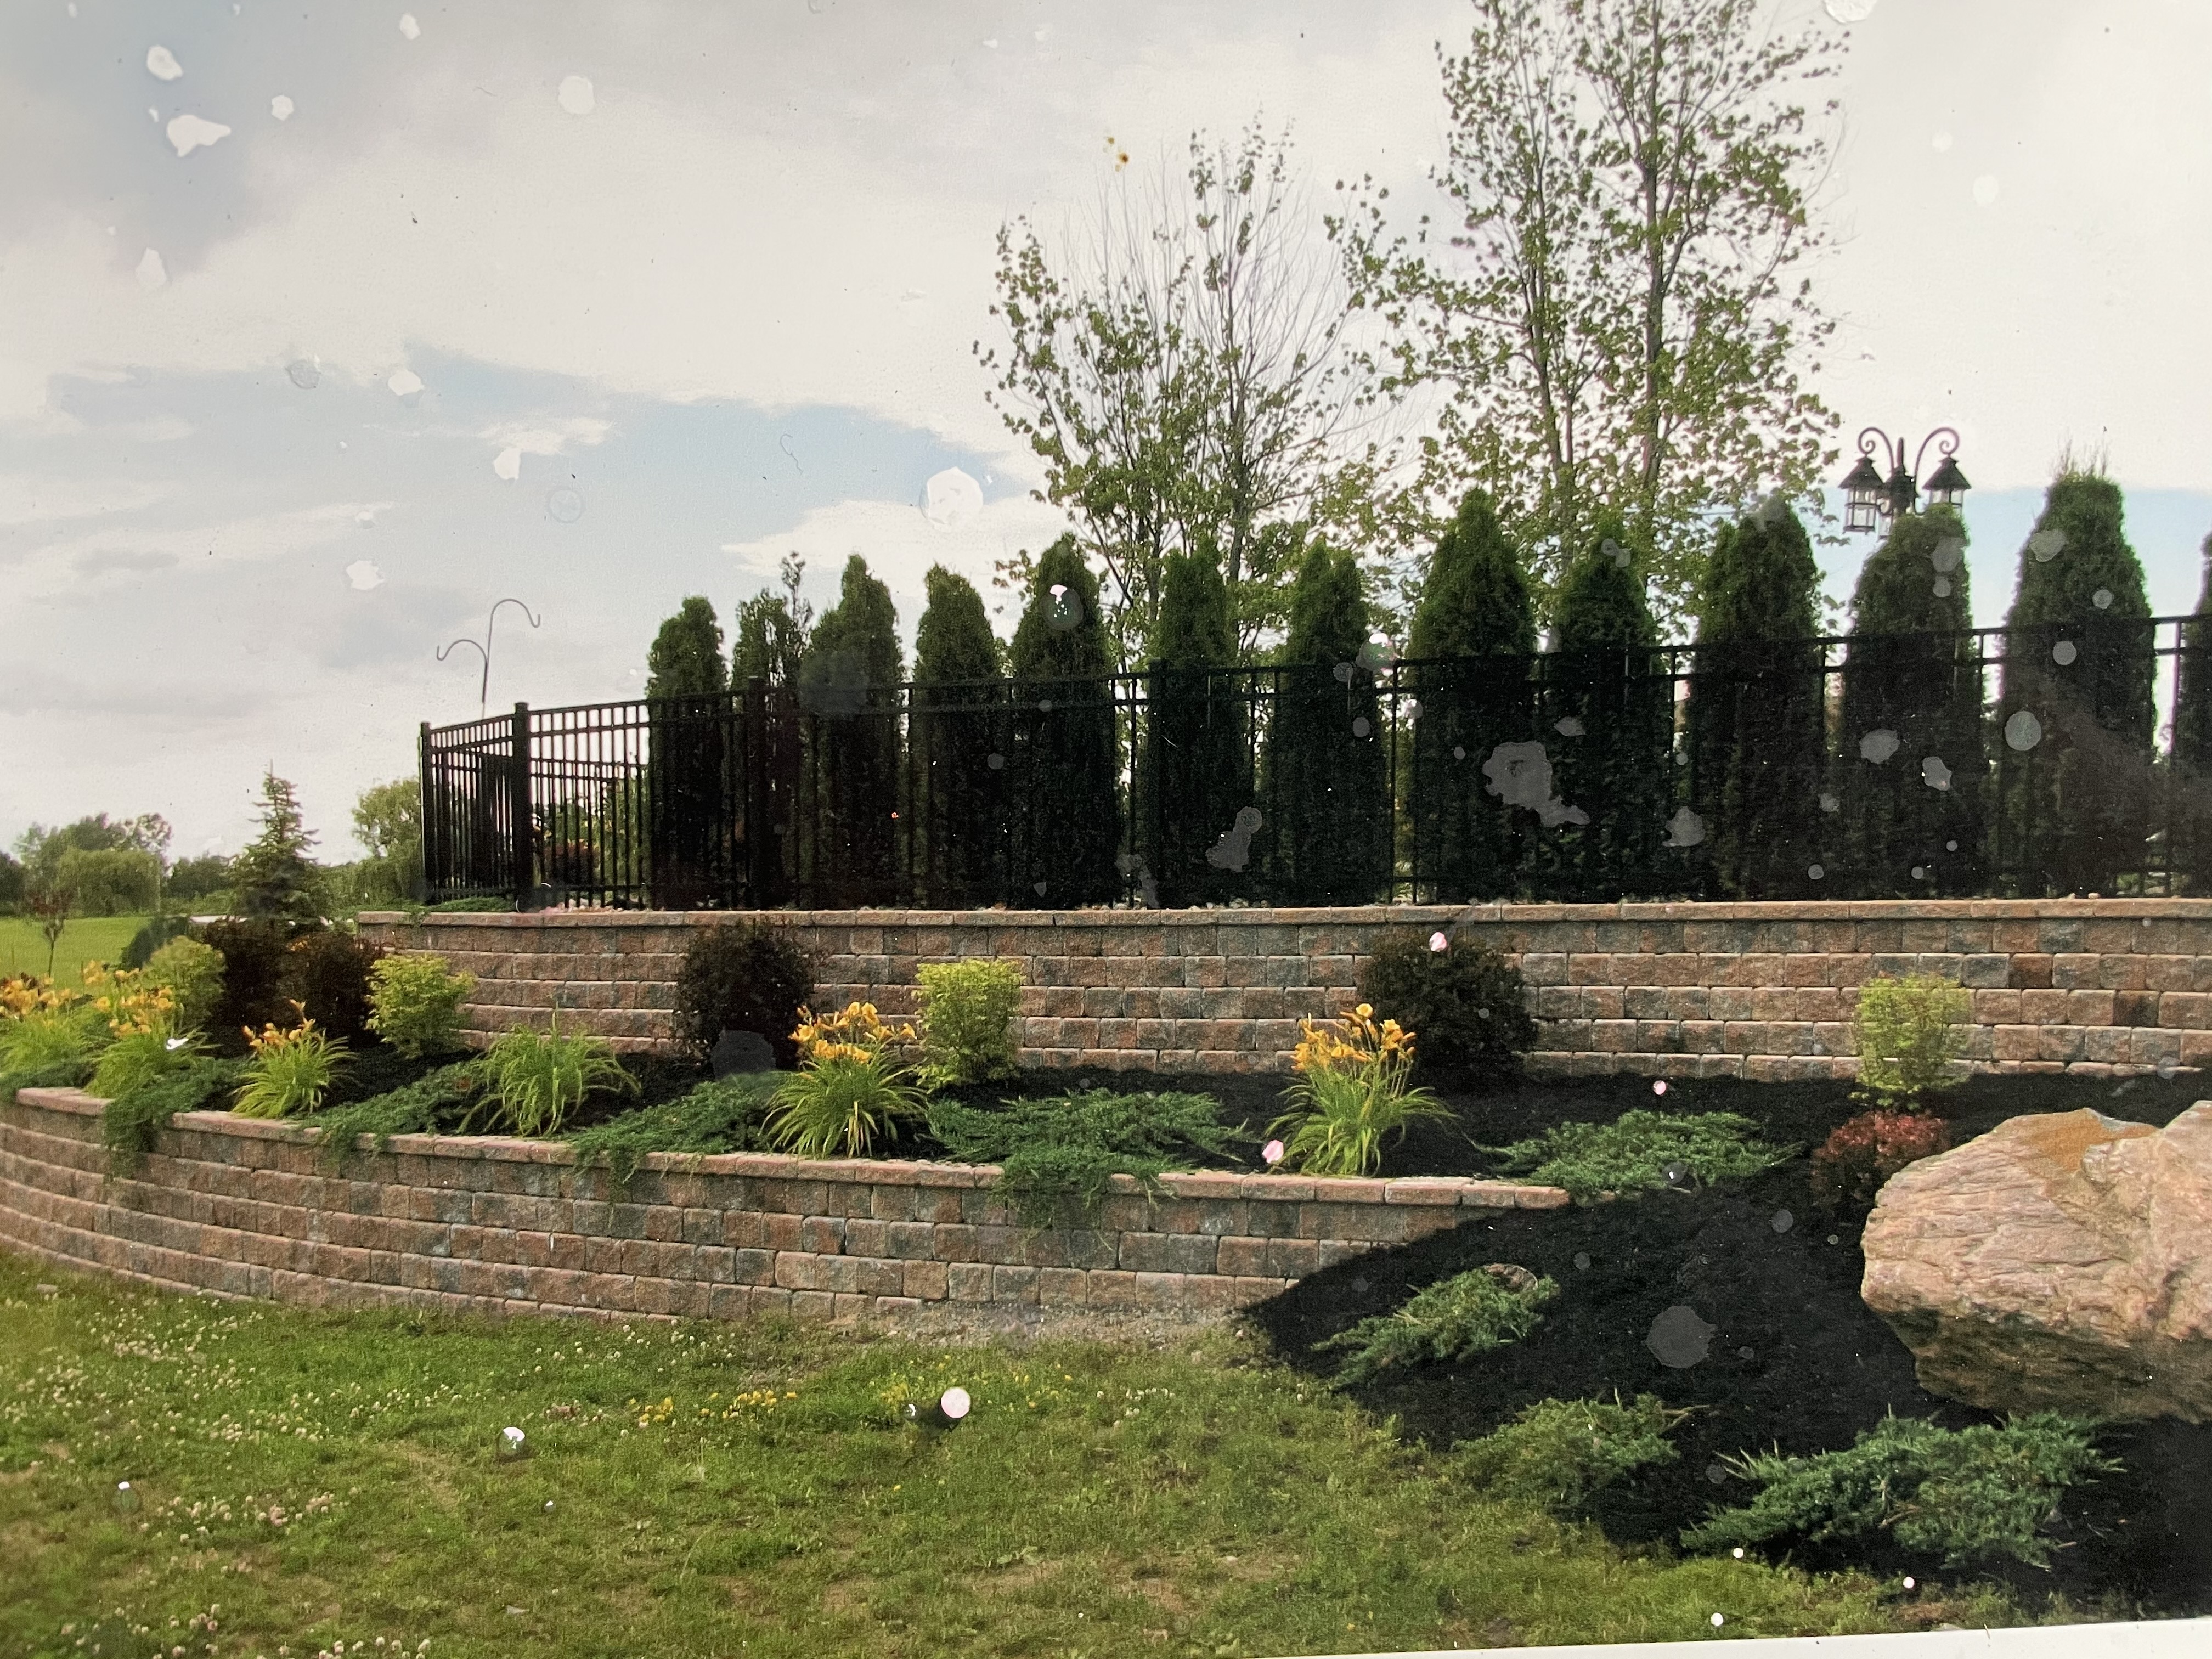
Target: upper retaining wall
(240,1207)
(1734,990)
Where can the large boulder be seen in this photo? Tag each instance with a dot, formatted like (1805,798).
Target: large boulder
(2059,1262)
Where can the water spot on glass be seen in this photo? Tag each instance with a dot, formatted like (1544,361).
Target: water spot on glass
(1771,510)
(1412,712)
(407,26)
(564,503)
(1816,871)
(1438,942)
(1066,612)
(2166,1068)
(1377,653)
(1234,850)
(1850,11)
(576,96)
(1934,773)
(1830,804)
(741,1054)
(1985,190)
(405,383)
(1782,1221)
(507,463)
(1942,587)
(1614,551)
(1832,1239)
(1681,758)
(1582,1260)
(366,518)
(1685,829)
(1659,1086)
(1878,745)
(303,373)
(1520,774)
(1716,1472)
(951,498)
(834,684)
(364,575)
(1044,705)
(2023,732)
(1360,726)
(1343,672)
(1570,728)
(190,133)
(1040,890)
(1458,753)
(1940,141)
(2047,544)
(2102,598)
(1679,1338)
(1949,553)
(161,64)
(995,761)
(282,107)
(1919,872)
(2063,653)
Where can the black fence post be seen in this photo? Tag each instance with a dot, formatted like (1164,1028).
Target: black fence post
(522,840)
(435,856)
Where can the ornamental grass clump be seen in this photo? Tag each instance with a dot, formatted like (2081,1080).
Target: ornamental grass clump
(1057,1158)
(1556,1454)
(1909,1037)
(1641,1152)
(288,1072)
(1351,1092)
(850,1088)
(1967,1494)
(536,1079)
(1454,1318)
(415,1003)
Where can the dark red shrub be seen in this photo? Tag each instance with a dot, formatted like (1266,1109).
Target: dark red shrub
(1849,1169)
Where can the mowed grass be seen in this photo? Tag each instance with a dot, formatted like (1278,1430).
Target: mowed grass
(304,1479)
(84,938)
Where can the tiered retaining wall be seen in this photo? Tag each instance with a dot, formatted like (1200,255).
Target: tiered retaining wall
(1761,991)
(242,1207)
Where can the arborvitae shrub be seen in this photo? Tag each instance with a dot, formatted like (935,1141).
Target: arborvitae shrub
(1194,768)
(1325,777)
(1608,718)
(2075,803)
(1853,1163)
(966,1021)
(1906,1029)
(1757,725)
(2191,816)
(1901,835)
(745,977)
(686,659)
(1475,603)
(327,972)
(1467,1007)
(958,725)
(693,852)
(849,683)
(1062,800)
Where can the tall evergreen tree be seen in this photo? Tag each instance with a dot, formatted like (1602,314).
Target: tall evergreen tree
(1195,773)
(273,879)
(1758,732)
(1910,766)
(765,662)
(2079,662)
(686,658)
(1063,797)
(849,683)
(1325,792)
(957,726)
(2191,819)
(1608,714)
(772,629)
(1476,619)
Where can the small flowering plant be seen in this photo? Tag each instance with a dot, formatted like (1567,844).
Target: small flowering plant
(291,1071)
(1352,1092)
(43,1025)
(850,1087)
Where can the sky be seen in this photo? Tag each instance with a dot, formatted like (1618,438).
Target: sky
(324,328)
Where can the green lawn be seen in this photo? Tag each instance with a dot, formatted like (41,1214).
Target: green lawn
(23,948)
(303,1480)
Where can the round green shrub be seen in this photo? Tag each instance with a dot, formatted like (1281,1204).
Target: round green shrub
(326,972)
(415,1003)
(1467,1007)
(193,973)
(747,977)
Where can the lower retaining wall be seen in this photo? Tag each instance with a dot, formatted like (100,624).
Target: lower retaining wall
(484,1226)
(1761,991)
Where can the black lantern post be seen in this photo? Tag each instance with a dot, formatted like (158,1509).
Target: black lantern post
(1870,498)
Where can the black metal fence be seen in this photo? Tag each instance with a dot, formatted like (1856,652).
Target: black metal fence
(1994,762)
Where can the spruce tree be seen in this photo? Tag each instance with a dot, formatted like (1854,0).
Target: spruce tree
(1468,842)
(1910,772)
(2079,663)
(274,880)
(957,728)
(1756,726)
(686,658)
(1063,765)
(1194,773)
(1608,721)
(2191,816)
(849,683)
(1325,795)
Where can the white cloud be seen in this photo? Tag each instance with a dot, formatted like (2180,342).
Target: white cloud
(192,132)
(259,539)
(548,436)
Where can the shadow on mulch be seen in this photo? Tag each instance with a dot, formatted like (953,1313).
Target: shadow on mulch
(1796,1361)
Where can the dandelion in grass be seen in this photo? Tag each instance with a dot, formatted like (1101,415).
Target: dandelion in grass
(1352,1092)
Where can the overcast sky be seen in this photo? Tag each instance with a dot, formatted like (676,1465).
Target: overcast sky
(323,327)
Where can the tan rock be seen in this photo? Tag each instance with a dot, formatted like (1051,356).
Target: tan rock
(2062,1262)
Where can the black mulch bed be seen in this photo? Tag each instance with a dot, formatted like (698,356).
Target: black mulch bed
(1797,1362)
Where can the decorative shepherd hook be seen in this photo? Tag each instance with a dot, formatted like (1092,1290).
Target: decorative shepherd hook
(483,689)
